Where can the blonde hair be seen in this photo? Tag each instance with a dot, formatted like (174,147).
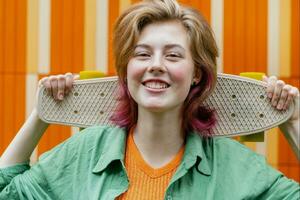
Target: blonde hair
(203,47)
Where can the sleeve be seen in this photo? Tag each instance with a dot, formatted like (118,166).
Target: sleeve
(7,174)
(25,182)
(277,186)
(19,182)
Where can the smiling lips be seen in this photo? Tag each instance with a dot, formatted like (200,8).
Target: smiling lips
(156,84)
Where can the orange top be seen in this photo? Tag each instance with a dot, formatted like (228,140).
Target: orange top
(144,181)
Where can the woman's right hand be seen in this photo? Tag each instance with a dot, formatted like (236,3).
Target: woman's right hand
(58,86)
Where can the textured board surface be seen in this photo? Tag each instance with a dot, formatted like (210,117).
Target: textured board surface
(241,105)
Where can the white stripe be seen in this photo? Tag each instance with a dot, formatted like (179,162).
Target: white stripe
(102,36)
(32,35)
(273,37)
(31,86)
(217,17)
(89,35)
(261,147)
(44,37)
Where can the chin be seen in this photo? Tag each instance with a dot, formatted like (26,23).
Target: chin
(154,108)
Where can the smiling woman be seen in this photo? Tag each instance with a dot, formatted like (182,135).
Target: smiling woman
(161,146)
(185,42)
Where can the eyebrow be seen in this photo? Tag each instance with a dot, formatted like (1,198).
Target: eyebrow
(168,46)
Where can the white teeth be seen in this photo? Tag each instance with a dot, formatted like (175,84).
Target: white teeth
(156,85)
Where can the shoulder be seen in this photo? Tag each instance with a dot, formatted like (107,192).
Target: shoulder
(230,146)
(96,134)
(93,138)
(249,169)
(232,152)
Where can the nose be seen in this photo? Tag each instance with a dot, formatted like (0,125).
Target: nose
(157,65)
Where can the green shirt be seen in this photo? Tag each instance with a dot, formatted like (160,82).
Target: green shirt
(90,165)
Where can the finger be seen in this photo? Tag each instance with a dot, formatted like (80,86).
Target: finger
(76,77)
(54,85)
(277,92)
(271,86)
(61,82)
(69,82)
(293,93)
(283,97)
(46,83)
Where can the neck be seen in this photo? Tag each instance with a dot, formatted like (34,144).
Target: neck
(158,136)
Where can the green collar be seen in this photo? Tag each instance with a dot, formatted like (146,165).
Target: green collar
(114,149)
(196,151)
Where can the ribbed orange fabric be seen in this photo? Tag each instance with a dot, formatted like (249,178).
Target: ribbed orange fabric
(144,181)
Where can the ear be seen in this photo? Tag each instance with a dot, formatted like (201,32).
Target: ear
(197,76)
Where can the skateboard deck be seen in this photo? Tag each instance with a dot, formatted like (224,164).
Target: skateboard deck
(241,105)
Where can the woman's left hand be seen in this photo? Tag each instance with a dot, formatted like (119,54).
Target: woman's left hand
(281,95)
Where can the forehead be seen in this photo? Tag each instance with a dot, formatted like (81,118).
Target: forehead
(164,33)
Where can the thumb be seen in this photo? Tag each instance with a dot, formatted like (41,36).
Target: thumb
(265,78)
(76,77)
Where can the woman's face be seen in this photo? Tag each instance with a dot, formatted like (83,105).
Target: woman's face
(161,70)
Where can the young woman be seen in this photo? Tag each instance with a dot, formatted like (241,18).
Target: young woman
(161,147)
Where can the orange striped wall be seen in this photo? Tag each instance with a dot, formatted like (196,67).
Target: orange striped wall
(12,68)
(245,48)
(245,36)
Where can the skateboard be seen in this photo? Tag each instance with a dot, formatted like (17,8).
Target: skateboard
(240,103)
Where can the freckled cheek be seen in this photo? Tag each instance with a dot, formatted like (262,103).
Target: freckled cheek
(135,70)
(181,75)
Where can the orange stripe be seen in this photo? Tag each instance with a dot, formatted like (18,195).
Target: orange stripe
(20,59)
(56,39)
(20,51)
(135,1)
(250,36)
(261,39)
(245,36)
(272,147)
(240,33)
(113,14)
(295,38)
(78,37)
(67,36)
(228,52)
(9,36)
(2,29)
(54,135)
(203,6)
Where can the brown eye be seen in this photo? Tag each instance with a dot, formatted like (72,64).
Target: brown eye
(174,55)
(142,55)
